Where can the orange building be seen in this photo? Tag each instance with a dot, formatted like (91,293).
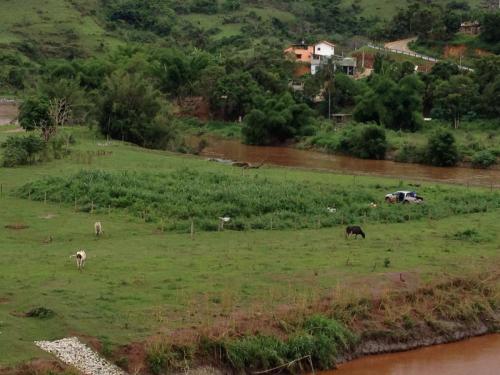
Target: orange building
(300,52)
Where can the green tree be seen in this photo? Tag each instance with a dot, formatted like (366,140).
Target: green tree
(35,114)
(132,110)
(490,30)
(364,141)
(441,149)
(454,98)
(277,119)
(233,94)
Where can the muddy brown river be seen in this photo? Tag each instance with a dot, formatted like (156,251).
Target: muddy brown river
(286,156)
(476,356)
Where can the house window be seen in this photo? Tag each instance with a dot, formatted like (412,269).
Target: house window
(319,48)
(299,56)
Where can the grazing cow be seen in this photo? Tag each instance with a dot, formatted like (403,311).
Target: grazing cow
(80,256)
(354,229)
(222,220)
(98,228)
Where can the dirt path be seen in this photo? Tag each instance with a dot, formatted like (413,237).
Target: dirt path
(400,45)
(8,113)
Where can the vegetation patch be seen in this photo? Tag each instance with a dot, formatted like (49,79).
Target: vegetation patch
(251,201)
(40,313)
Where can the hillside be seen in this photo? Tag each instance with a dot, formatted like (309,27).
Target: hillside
(69,28)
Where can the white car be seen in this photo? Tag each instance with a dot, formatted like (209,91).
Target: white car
(404,197)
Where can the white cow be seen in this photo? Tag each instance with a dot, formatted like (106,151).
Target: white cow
(98,228)
(80,256)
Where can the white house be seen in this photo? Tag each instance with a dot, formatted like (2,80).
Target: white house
(324,48)
(322,52)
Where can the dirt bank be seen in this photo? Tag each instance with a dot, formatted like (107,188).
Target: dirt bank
(405,318)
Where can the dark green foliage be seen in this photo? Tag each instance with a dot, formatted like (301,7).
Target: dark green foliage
(21,150)
(442,149)
(467,235)
(233,94)
(154,15)
(132,110)
(321,338)
(276,120)
(396,105)
(454,98)
(34,112)
(483,159)
(367,142)
(490,30)
(40,313)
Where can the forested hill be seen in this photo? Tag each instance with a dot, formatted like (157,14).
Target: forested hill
(82,28)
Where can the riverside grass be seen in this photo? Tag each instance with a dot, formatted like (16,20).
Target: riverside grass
(140,281)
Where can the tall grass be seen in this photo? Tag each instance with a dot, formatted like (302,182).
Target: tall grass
(252,201)
(317,342)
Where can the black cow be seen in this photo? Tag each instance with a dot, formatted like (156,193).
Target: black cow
(354,229)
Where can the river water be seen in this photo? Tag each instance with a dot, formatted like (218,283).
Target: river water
(286,156)
(476,356)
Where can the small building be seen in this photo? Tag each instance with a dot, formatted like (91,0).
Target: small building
(311,58)
(300,52)
(470,27)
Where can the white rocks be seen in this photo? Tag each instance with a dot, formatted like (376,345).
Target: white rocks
(72,352)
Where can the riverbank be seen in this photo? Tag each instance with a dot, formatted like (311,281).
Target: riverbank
(149,281)
(393,321)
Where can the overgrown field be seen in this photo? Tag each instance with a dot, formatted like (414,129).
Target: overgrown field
(251,201)
(140,281)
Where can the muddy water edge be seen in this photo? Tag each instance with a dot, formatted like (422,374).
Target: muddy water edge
(478,355)
(287,156)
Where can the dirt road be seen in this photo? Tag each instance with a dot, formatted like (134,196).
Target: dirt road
(400,45)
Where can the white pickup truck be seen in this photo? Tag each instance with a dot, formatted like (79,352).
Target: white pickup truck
(403,197)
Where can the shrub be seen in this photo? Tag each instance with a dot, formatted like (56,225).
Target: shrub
(22,150)
(131,110)
(483,159)
(40,313)
(442,149)
(319,337)
(409,153)
(162,357)
(367,142)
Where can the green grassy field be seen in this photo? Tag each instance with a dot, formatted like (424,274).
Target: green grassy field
(140,281)
(54,24)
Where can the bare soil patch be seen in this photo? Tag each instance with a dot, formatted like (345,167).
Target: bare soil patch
(16,226)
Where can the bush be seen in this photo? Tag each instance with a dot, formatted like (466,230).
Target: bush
(409,153)
(367,142)
(22,150)
(319,337)
(132,110)
(441,149)
(163,357)
(483,159)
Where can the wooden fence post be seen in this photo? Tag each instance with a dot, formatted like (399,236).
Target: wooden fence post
(92,207)
(45,198)
(192,229)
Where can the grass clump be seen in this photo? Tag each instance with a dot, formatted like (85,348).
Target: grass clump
(40,313)
(162,357)
(318,340)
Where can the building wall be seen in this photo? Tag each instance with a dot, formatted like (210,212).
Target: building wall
(324,49)
(302,54)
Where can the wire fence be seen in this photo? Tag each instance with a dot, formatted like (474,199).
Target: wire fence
(413,54)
